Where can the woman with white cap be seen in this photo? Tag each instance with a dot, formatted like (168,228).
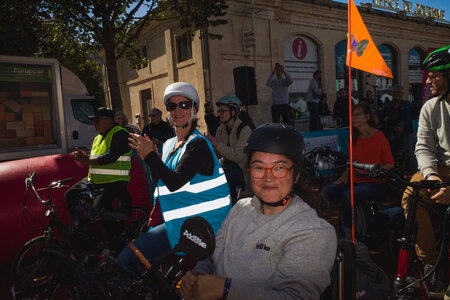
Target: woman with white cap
(188,177)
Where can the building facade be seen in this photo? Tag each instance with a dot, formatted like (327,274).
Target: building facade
(303,35)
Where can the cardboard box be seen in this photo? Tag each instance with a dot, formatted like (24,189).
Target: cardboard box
(7,117)
(40,140)
(13,105)
(39,132)
(31,140)
(48,140)
(15,125)
(25,132)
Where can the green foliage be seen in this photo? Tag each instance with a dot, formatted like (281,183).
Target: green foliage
(70,30)
(197,14)
(62,41)
(26,29)
(20,27)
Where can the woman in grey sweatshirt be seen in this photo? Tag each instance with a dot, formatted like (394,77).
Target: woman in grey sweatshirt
(271,246)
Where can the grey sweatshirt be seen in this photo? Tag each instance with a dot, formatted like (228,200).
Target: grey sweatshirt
(433,136)
(279,87)
(288,255)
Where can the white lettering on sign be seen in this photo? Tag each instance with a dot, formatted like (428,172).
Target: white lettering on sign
(27,71)
(194,239)
(411,8)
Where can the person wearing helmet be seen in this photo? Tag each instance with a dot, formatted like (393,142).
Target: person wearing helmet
(433,158)
(273,245)
(229,143)
(188,177)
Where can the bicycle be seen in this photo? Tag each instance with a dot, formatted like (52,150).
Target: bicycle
(103,277)
(323,165)
(409,280)
(45,261)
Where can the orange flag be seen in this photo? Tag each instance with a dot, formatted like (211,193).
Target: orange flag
(364,54)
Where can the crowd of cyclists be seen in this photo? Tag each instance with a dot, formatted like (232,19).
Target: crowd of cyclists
(272,244)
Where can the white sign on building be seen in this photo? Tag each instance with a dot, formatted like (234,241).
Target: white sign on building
(300,59)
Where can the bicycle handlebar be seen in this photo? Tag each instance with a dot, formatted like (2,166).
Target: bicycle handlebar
(377,171)
(58,184)
(29,182)
(371,168)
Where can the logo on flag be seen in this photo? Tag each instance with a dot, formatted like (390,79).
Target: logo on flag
(362,53)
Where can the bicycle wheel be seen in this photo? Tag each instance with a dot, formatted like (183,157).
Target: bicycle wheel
(37,263)
(135,222)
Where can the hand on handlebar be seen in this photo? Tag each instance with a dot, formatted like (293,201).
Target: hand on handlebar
(442,195)
(186,286)
(201,286)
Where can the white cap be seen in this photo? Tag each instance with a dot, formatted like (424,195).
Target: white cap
(181,89)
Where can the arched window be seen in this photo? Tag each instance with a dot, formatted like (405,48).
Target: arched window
(415,58)
(384,84)
(340,50)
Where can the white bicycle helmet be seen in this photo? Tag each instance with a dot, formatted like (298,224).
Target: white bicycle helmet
(181,89)
(186,90)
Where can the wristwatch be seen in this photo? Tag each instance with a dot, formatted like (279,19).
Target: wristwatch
(431,174)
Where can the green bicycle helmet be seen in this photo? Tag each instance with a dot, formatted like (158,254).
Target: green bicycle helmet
(232,101)
(438,59)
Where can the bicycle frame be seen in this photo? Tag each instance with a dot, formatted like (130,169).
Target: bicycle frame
(406,243)
(54,221)
(401,285)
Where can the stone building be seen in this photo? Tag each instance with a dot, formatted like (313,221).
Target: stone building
(303,35)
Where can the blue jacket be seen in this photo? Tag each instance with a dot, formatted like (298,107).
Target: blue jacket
(206,196)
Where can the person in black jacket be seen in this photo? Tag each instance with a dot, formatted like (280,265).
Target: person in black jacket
(158,130)
(340,109)
(212,121)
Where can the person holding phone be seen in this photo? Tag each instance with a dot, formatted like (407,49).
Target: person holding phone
(279,81)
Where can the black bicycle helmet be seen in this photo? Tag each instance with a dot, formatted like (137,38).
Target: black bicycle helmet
(439,60)
(281,139)
(277,138)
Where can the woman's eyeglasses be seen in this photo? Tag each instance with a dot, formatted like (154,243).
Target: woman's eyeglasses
(278,171)
(184,105)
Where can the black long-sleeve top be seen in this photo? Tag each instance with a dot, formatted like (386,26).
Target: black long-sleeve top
(196,159)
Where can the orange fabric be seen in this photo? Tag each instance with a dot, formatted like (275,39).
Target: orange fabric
(372,150)
(363,51)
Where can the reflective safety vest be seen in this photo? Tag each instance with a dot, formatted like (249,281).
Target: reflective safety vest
(118,170)
(205,196)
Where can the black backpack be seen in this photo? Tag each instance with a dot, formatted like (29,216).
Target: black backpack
(239,129)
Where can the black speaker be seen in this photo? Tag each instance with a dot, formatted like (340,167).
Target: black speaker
(245,85)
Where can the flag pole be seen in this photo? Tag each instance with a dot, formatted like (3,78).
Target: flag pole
(349,53)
